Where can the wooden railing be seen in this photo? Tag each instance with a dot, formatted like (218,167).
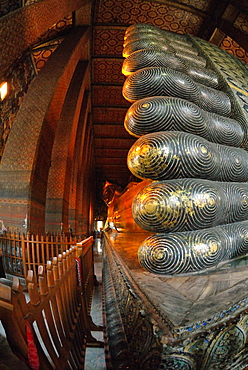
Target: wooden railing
(26,252)
(52,329)
(88,276)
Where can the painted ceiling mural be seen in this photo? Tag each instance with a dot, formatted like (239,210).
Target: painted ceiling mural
(23,72)
(137,11)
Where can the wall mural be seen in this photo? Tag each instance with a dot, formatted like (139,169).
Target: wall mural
(24,70)
(42,53)
(8,6)
(20,76)
(50,40)
(191,152)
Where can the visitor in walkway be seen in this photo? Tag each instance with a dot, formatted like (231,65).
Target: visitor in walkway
(2,230)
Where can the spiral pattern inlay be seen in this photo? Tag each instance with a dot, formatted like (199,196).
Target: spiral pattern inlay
(162,81)
(157,58)
(184,53)
(161,113)
(189,204)
(166,38)
(138,29)
(174,154)
(192,251)
(151,32)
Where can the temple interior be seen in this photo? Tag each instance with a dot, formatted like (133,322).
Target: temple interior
(124,184)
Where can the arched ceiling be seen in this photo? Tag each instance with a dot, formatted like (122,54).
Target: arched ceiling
(201,18)
(222,22)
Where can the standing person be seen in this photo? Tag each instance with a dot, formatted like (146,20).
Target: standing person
(2,229)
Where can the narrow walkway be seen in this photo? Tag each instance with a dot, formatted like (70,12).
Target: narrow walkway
(95,357)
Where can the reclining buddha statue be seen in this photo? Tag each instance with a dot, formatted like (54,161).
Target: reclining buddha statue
(190,153)
(176,251)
